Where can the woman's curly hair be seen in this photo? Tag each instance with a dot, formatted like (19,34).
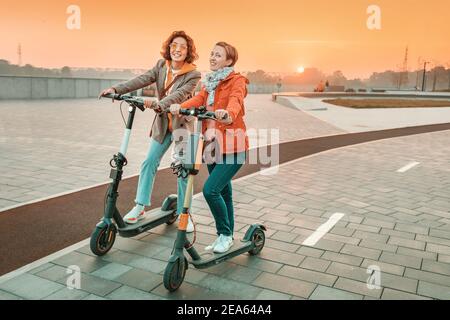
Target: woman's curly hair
(192,51)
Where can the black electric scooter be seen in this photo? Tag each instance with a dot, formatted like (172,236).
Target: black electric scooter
(253,241)
(104,235)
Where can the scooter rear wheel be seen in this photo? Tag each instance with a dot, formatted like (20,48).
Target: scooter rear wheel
(258,239)
(174,274)
(172,219)
(102,240)
(174,216)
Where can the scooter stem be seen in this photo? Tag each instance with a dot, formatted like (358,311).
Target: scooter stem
(127,133)
(125,141)
(189,189)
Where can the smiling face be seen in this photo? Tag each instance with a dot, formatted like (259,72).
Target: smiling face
(218,59)
(178,49)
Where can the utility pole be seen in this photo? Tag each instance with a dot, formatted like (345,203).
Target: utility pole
(448,79)
(419,63)
(403,77)
(448,71)
(434,79)
(424,72)
(19,54)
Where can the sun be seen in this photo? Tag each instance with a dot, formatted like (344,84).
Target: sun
(301,69)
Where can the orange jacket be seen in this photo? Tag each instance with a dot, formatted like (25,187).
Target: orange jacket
(229,95)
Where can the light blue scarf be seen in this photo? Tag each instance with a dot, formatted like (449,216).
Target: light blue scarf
(212,80)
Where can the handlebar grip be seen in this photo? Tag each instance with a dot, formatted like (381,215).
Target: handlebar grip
(140,106)
(201,113)
(114,96)
(210,114)
(187,112)
(135,101)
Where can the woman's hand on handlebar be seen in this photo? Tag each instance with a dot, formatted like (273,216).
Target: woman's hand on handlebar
(150,104)
(223,116)
(175,109)
(107,91)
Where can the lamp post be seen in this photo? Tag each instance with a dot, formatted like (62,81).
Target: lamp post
(448,79)
(448,71)
(424,71)
(279,84)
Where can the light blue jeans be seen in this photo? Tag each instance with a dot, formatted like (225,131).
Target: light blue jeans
(149,168)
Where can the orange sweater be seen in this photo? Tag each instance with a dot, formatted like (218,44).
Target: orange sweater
(229,95)
(187,67)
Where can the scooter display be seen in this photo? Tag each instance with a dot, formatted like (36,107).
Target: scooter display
(104,234)
(253,241)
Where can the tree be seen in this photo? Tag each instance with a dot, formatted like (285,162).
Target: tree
(66,72)
(383,79)
(337,79)
(27,70)
(260,76)
(439,76)
(355,83)
(5,67)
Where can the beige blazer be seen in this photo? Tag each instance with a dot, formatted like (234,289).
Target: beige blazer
(182,89)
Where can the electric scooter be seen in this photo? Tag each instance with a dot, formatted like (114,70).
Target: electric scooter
(253,241)
(104,235)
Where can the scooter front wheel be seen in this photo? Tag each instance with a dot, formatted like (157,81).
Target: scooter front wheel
(258,239)
(174,274)
(102,239)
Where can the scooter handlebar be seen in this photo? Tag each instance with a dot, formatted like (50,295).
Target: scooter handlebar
(201,113)
(135,101)
(114,96)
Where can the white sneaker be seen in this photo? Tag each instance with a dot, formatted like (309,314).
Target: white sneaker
(224,244)
(212,245)
(136,214)
(190,226)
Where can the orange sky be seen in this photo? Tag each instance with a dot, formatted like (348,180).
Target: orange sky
(278,35)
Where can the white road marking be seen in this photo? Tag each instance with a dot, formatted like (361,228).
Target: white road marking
(323,229)
(408,166)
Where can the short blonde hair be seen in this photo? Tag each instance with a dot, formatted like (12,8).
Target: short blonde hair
(231,52)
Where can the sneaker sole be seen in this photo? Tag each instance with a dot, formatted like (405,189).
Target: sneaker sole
(225,250)
(135,220)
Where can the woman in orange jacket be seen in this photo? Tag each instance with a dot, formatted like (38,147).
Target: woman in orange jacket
(223,92)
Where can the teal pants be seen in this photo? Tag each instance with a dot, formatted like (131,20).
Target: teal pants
(149,168)
(218,192)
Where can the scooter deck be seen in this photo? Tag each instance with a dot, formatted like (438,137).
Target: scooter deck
(209,258)
(151,220)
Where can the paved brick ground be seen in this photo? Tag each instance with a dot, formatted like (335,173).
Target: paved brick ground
(399,222)
(53,146)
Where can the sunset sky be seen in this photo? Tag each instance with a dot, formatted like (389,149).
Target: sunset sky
(276,36)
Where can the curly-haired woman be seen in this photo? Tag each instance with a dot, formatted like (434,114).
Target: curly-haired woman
(176,78)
